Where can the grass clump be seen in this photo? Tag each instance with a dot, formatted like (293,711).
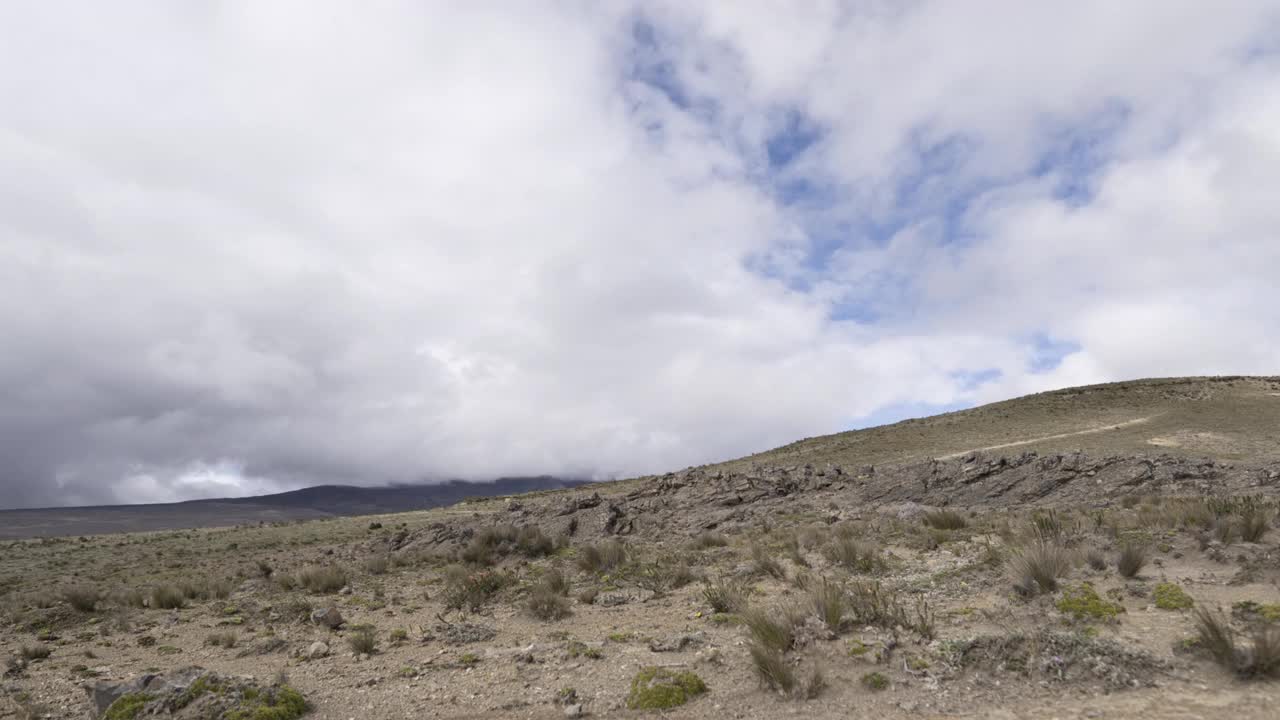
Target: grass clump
(708,540)
(1169,596)
(323,580)
(725,595)
(39,651)
(363,639)
(601,557)
(854,555)
(655,688)
(1131,559)
(1038,566)
(1083,602)
(875,681)
(546,604)
(1258,659)
(221,639)
(377,564)
(82,597)
(494,543)
(763,563)
(829,603)
(167,597)
(945,520)
(776,633)
(466,590)
(1253,525)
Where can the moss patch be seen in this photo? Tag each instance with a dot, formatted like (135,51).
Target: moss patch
(655,688)
(127,707)
(1082,601)
(1171,597)
(277,703)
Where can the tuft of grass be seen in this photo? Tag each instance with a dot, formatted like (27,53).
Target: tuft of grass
(725,595)
(777,633)
(221,639)
(82,597)
(1131,559)
(544,603)
(167,597)
(323,580)
(601,557)
(464,589)
(363,639)
(829,603)
(1258,659)
(1096,559)
(708,540)
(39,651)
(771,668)
(763,563)
(945,520)
(854,555)
(377,564)
(1038,566)
(1253,525)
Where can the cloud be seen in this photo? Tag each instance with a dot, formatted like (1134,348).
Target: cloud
(263,246)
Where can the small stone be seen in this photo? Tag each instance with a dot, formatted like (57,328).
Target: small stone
(573,711)
(317,650)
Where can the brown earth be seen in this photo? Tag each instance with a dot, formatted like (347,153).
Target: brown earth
(963,642)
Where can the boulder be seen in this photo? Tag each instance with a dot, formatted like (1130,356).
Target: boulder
(329,617)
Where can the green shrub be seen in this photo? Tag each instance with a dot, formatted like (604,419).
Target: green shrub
(655,688)
(1084,602)
(1171,597)
(875,681)
(468,590)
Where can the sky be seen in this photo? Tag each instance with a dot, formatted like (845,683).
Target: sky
(253,246)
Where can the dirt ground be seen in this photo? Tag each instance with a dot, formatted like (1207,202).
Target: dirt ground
(985,650)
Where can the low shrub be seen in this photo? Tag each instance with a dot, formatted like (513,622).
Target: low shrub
(655,688)
(323,580)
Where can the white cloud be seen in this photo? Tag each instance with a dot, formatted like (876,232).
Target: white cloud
(277,244)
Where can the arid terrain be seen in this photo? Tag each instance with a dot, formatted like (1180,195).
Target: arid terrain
(1101,552)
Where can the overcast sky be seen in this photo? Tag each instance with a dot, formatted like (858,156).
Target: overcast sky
(250,246)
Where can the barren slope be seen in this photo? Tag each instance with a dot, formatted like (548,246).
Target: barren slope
(1226,418)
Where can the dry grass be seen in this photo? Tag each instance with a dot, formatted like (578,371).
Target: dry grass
(725,595)
(1037,567)
(82,597)
(363,639)
(1253,525)
(323,580)
(829,603)
(546,604)
(945,520)
(773,631)
(167,597)
(763,563)
(1131,558)
(601,557)
(854,555)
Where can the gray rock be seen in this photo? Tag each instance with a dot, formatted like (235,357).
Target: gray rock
(317,651)
(573,711)
(677,643)
(329,617)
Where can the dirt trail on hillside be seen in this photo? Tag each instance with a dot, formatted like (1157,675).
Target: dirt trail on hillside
(1091,431)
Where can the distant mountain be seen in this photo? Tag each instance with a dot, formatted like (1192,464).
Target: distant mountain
(305,504)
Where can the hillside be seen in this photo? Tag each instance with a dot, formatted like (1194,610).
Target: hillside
(1225,418)
(1110,551)
(311,503)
